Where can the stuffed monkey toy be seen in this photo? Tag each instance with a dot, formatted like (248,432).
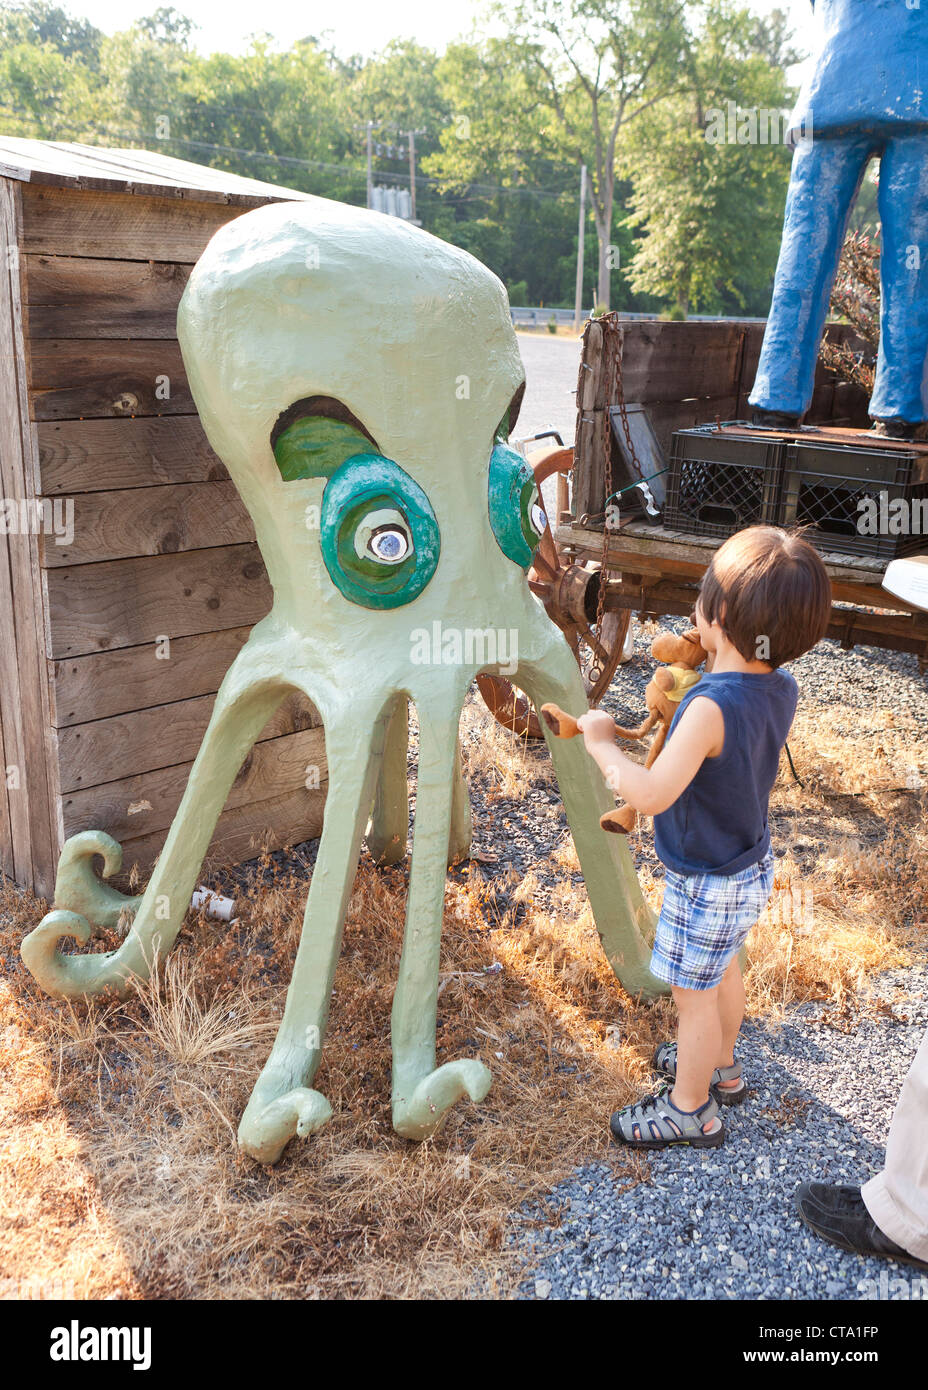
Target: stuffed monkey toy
(663,694)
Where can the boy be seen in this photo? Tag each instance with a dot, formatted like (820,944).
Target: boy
(765,599)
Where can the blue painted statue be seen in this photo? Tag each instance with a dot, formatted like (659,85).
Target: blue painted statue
(866,96)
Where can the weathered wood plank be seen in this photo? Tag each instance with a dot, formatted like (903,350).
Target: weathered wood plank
(76,377)
(132,678)
(666,361)
(667,417)
(29,728)
(109,750)
(103,455)
(84,297)
(18,853)
(141,805)
(243,831)
(125,603)
(6,831)
(119,226)
(148,521)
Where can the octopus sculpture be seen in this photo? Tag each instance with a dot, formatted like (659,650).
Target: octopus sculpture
(359,378)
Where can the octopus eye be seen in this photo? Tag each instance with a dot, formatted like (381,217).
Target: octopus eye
(380,539)
(384,536)
(516,514)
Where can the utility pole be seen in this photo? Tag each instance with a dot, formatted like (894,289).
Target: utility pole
(581,230)
(412,175)
(370,166)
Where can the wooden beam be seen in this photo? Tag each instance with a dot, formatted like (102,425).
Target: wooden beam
(104,455)
(147,803)
(146,521)
(125,603)
(127,745)
(665,361)
(135,678)
(85,297)
(73,378)
(29,731)
(119,226)
(242,831)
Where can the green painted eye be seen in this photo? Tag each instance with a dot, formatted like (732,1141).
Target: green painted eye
(516,514)
(315,446)
(380,539)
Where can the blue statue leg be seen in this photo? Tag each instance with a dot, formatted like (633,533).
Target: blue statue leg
(825,177)
(900,390)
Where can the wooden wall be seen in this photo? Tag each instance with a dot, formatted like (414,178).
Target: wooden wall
(162,545)
(687,374)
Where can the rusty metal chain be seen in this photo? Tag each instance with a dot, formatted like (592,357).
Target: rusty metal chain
(611,331)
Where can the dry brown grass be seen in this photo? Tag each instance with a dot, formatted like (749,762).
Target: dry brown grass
(120,1174)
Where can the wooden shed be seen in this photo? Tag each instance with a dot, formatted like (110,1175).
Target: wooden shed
(129,575)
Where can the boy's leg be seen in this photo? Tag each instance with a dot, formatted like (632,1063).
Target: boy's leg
(731,1014)
(699,1040)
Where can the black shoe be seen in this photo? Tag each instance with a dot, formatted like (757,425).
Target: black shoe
(851,1228)
(900,429)
(775,420)
(831,1197)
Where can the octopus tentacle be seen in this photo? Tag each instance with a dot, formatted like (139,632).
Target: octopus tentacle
(77,887)
(243,706)
(461,833)
(620,911)
(283,1104)
(389,824)
(422,1093)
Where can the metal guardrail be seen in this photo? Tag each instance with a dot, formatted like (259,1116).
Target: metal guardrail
(527,316)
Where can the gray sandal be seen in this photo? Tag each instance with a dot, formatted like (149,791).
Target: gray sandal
(665,1061)
(654,1122)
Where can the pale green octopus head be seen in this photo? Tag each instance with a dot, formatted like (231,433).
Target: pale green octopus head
(359,378)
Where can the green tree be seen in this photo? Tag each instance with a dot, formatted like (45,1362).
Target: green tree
(599,65)
(709,169)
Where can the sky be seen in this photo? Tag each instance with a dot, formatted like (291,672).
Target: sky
(351,26)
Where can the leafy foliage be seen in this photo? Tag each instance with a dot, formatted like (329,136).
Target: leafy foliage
(500,125)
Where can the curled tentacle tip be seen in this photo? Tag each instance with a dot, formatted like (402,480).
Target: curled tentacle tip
(40,953)
(265,1132)
(86,845)
(423,1114)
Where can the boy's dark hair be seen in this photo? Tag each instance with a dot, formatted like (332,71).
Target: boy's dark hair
(770,594)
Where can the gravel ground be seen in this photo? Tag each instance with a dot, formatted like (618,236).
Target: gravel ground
(720,1223)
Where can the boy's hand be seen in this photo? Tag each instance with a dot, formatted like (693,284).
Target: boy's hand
(596,727)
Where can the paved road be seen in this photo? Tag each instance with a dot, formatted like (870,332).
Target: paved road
(551,366)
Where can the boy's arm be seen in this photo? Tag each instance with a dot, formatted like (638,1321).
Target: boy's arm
(700,734)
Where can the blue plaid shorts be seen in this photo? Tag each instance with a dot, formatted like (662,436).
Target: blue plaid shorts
(704,921)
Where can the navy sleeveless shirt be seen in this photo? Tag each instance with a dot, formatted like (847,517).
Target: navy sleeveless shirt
(718,825)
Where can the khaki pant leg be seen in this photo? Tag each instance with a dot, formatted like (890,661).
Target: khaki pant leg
(897,1198)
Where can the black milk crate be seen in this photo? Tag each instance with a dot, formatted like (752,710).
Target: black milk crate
(720,483)
(840,490)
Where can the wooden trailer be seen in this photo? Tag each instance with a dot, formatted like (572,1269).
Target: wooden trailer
(686,374)
(129,574)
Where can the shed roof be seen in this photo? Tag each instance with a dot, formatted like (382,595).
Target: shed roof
(66,164)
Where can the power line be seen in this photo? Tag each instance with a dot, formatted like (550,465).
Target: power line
(474,190)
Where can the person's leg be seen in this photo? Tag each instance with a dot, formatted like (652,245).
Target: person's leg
(900,390)
(699,1040)
(897,1198)
(825,177)
(731,1016)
